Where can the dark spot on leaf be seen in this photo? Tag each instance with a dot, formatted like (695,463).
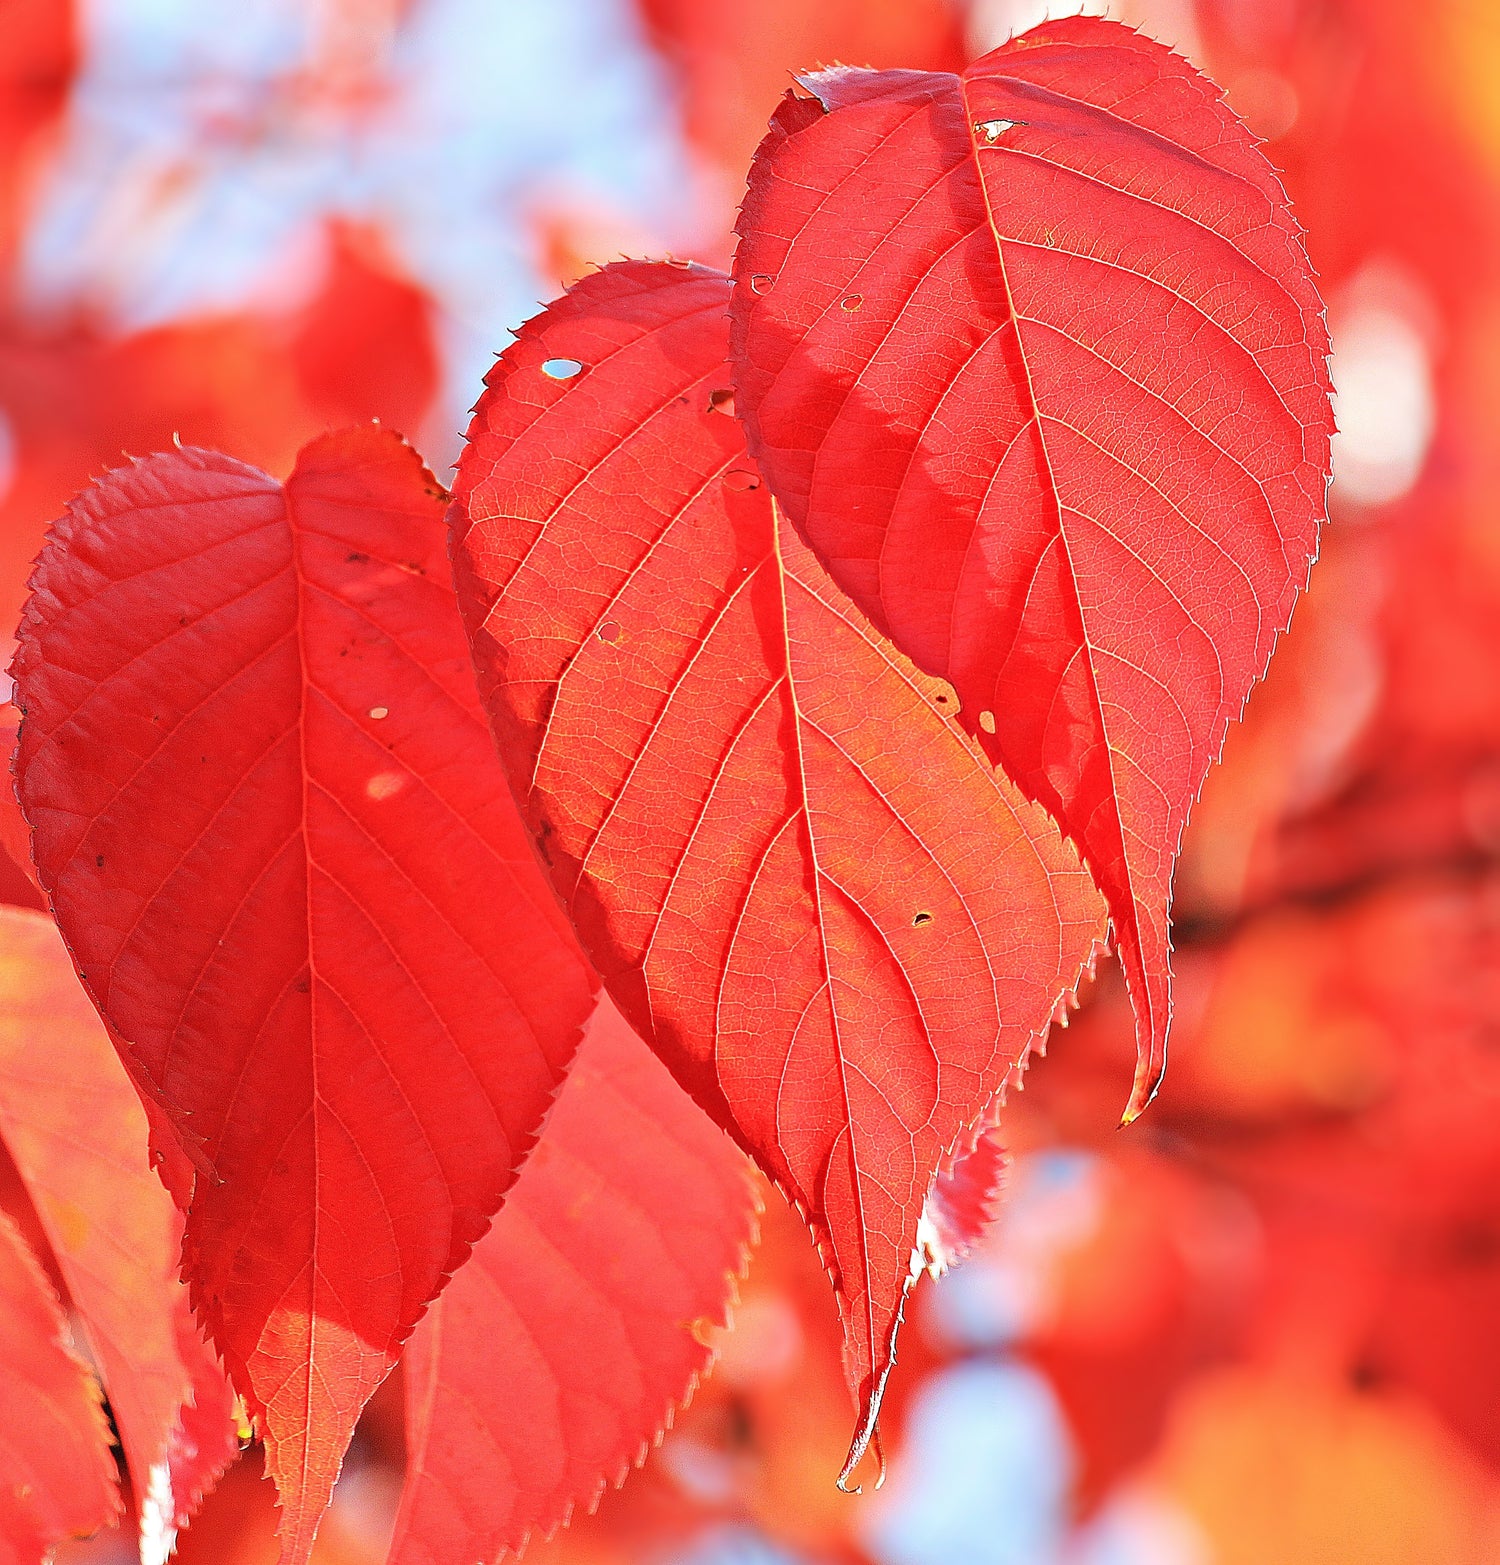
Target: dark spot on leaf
(100,861)
(356,558)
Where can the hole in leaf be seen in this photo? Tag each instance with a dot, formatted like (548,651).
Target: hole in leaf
(761,282)
(990,131)
(945,699)
(920,919)
(609,631)
(741,480)
(721,401)
(851,301)
(987,722)
(562,369)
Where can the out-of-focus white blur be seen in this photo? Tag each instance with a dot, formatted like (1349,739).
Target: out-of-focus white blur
(206,145)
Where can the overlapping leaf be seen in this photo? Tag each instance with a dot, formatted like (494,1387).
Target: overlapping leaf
(266,808)
(57,1478)
(558,1355)
(76,1132)
(834,922)
(1033,358)
(15,837)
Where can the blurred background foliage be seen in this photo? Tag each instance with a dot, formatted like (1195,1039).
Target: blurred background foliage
(1259,1327)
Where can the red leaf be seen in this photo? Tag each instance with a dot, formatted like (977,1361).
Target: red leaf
(77,1134)
(835,924)
(364,348)
(1033,358)
(556,1359)
(963,1202)
(266,807)
(36,70)
(57,1478)
(21,886)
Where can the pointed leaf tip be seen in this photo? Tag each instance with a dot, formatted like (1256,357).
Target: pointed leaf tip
(1094,509)
(786,864)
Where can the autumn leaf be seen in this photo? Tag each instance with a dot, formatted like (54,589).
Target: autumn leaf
(964,1200)
(555,1359)
(20,887)
(365,347)
(57,1478)
(1033,358)
(76,1132)
(36,71)
(839,928)
(266,809)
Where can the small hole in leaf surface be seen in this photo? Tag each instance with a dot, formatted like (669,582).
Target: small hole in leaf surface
(609,631)
(920,919)
(762,282)
(721,401)
(851,302)
(562,369)
(990,131)
(740,479)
